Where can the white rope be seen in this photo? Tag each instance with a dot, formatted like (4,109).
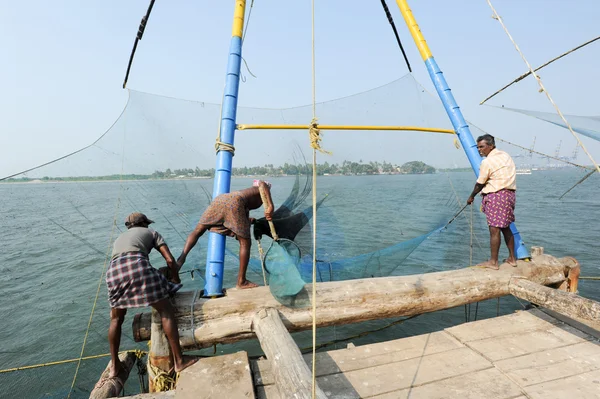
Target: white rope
(314,198)
(542,88)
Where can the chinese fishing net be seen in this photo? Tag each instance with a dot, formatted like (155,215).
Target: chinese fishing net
(382,200)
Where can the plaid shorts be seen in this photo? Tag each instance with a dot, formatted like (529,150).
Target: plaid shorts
(132,282)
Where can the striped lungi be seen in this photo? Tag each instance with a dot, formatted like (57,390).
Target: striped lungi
(132,282)
(499,208)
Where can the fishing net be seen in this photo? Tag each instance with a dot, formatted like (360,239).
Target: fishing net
(383,200)
(588,126)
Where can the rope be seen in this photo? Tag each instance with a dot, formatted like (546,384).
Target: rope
(589,278)
(58,362)
(106,259)
(162,380)
(542,88)
(537,152)
(540,67)
(192,315)
(221,146)
(314,142)
(262,261)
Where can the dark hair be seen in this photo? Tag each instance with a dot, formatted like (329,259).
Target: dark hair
(488,138)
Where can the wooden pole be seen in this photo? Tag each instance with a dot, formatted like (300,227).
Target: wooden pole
(565,303)
(109,388)
(160,355)
(293,378)
(229,319)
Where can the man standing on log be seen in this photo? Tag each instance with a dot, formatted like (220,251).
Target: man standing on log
(229,215)
(132,282)
(497,184)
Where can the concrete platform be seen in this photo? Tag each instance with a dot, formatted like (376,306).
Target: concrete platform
(527,354)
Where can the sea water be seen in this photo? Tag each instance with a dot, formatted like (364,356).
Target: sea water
(55,237)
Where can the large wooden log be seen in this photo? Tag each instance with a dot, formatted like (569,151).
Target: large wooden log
(292,375)
(565,303)
(109,388)
(160,355)
(229,318)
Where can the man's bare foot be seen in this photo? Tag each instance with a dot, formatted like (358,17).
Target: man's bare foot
(489,265)
(186,361)
(114,369)
(246,284)
(511,261)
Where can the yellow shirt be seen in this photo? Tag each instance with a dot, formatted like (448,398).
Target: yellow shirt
(497,172)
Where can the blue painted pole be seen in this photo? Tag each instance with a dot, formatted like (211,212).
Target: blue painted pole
(452,109)
(466,138)
(215,259)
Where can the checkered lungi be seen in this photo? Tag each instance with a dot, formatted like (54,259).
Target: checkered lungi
(499,208)
(132,282)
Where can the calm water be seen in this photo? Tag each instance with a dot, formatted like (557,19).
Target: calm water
(54,237)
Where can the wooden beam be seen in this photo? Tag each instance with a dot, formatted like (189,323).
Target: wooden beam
(565,303)
(229,319)
(160,355)
(109,388)
(293,378)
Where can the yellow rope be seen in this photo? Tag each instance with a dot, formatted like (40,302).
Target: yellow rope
(106,259)
(138,353)
(221,146)
(315,136)
(161,380)
(542,88)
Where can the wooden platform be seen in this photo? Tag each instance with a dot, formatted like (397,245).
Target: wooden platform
(528,354)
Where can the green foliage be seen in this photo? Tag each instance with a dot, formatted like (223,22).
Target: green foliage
(347,168)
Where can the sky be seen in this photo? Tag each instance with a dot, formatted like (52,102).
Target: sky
(64,62)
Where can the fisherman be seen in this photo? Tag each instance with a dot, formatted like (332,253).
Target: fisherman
(497,184)
(133,282)
(229,215)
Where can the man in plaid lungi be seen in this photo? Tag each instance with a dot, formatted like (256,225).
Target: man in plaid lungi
(133,282)
(498,185)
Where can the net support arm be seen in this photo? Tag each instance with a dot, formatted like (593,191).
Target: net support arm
(452,109)
(345,127)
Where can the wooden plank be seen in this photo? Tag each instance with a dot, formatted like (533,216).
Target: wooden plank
(488,384)
(156,395)
(552,364)
(229,319)
(343,360)
(505,347)
(293,378)
(218,377)
(519,322)
(400,375)
(581,386)
(566,303)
